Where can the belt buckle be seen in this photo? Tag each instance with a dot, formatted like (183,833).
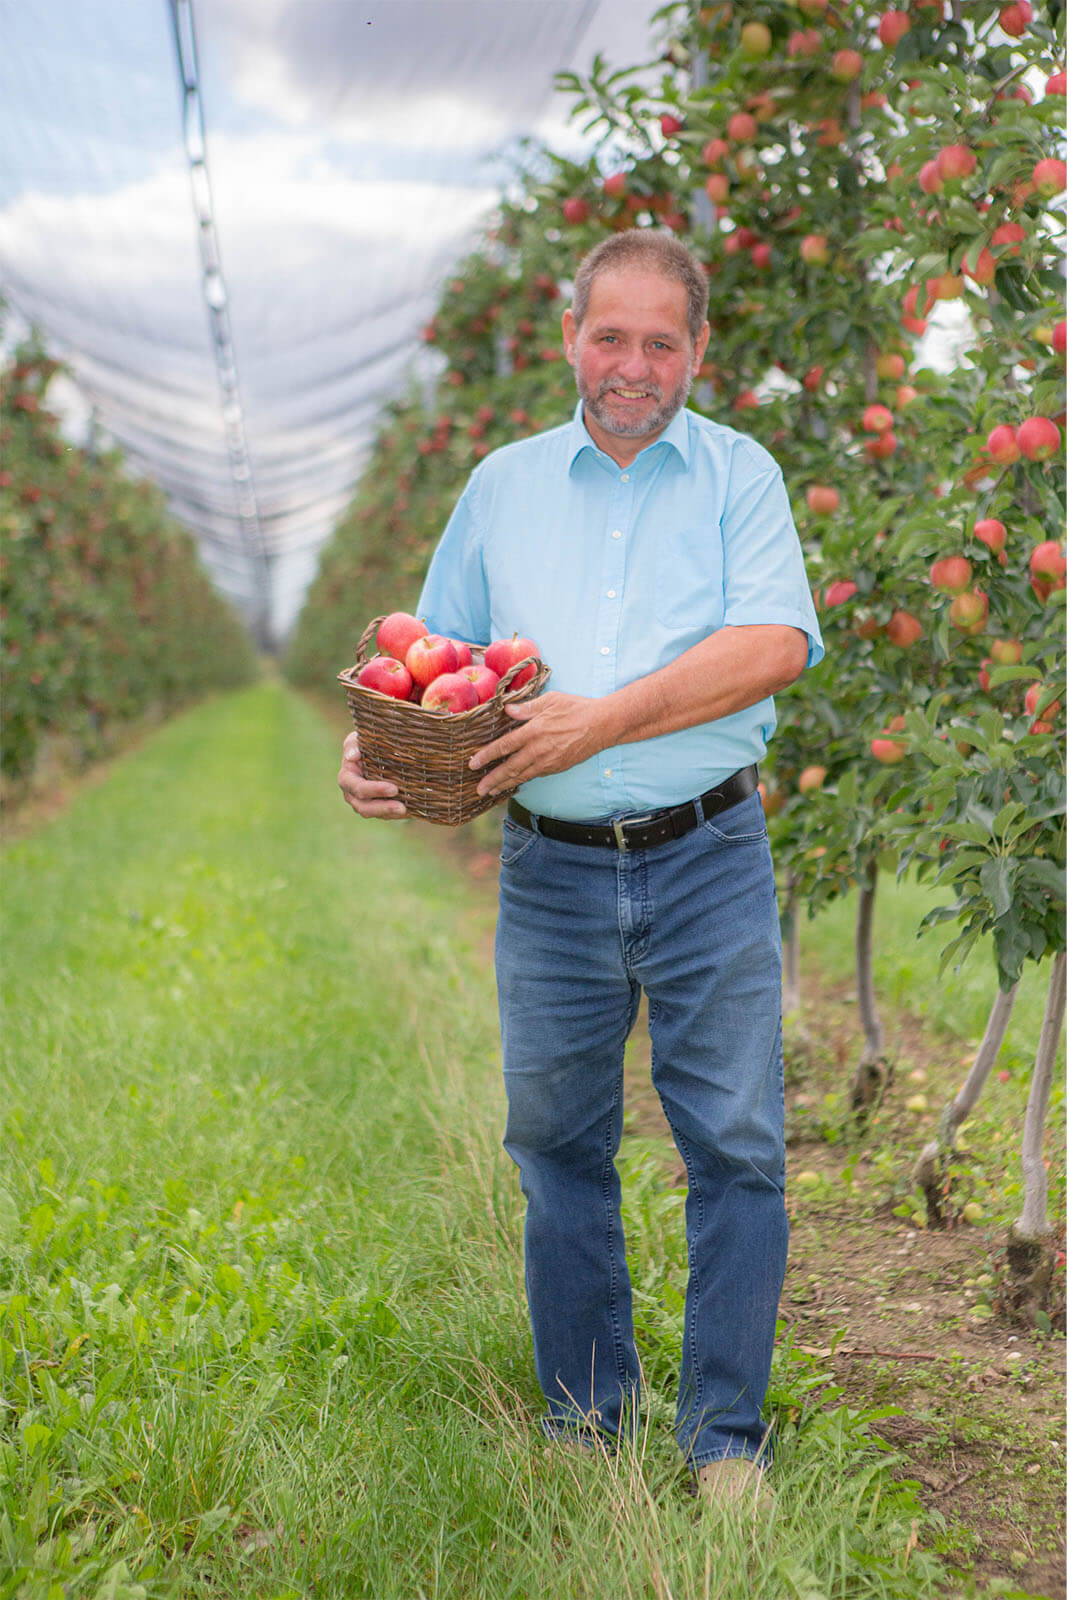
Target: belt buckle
(618,829)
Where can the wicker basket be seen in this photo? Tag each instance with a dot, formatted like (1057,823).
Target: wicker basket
(425,753)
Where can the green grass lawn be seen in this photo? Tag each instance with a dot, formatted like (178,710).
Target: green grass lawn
(262,1331)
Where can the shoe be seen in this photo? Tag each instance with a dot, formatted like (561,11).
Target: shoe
(733,1481)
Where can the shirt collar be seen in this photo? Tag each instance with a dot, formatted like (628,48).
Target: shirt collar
(675,434)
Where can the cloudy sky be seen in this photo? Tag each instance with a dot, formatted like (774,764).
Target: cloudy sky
(354,148)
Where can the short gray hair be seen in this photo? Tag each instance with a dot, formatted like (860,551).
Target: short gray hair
(654,251)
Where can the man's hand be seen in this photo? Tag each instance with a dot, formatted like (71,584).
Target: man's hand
(554,732)
(368,797)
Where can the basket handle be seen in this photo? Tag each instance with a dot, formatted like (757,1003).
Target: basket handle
(505,682)
(372,627)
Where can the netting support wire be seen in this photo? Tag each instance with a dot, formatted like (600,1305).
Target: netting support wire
(217,301)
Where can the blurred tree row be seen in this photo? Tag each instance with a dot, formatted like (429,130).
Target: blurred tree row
(106,614)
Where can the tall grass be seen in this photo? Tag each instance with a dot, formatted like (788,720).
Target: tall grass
(262,1331)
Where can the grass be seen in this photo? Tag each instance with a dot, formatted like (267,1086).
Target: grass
(262,1330)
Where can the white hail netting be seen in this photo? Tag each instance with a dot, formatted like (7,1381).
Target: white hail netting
(353,146)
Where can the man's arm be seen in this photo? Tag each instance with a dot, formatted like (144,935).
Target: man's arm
(724,673)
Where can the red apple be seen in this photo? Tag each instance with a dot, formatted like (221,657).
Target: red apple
(812,378)
(483,679)
(398,633)
(1001,444)
(451,692)
(877,419)
(985,268)
(888,751)
(670,124)
(615,184)
(1015,18)
(1059,338)
(761,256)
(956,161)
(810,779)
(1047,564)
(575,209)
(822,500)
(386,675)
(952,574)
(463,653)
(891,364)
(930,179)
(1034,696)
(1050,176)
(1038,438)
(991,533)
(717,187)
(838,592)
(503,654)
(742,127)
(714,152)
(903,629)
(1010,233)
(814,250)
(804,42)
(1057,83)
(429,657)
(846,65)
(892,26)
(882,445)
(906,393)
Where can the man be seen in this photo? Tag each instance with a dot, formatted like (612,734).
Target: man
(652,555)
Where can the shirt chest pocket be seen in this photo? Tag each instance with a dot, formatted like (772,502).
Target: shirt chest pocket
(690,584)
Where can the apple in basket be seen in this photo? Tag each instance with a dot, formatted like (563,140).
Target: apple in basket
(429,657)
(387,676)
(503,654)
(452,692)
(397,633)
(483,679)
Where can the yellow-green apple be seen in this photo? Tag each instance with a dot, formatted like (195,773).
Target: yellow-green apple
(891,364)
(483,679)
(968,611)
(1006,652)
(903,629)
(951,573)
(398,632)
(755,40)
(429,657)
(451,692)
(503,654)
(386,675)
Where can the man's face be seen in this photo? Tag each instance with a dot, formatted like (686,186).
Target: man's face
(633,358)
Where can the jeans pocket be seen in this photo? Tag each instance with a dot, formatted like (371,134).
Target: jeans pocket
(514,842)
(743,823)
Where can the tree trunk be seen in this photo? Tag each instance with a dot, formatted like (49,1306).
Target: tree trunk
(871,1076)
(930,1167)
(1030,1248)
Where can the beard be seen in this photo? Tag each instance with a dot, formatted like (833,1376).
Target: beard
(599,405)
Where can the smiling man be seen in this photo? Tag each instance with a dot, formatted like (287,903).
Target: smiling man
(652,555)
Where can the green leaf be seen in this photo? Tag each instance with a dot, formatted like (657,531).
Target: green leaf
(997,878)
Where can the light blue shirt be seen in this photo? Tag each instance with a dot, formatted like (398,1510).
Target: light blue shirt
(614,572)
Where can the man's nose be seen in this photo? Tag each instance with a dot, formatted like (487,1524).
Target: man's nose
(633,363)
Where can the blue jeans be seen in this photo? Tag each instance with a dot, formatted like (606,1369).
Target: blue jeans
(581,932)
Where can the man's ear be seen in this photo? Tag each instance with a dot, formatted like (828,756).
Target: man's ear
(700,346)
(570,335)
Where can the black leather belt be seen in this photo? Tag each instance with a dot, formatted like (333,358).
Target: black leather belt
(641,833)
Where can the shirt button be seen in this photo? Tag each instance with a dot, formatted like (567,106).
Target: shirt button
(611,594)
(625,477)
(604,651)
(608,772)
(617,534)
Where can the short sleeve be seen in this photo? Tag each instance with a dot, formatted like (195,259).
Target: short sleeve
(765,581)
(455,594)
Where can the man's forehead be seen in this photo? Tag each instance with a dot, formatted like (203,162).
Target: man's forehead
(632,286)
